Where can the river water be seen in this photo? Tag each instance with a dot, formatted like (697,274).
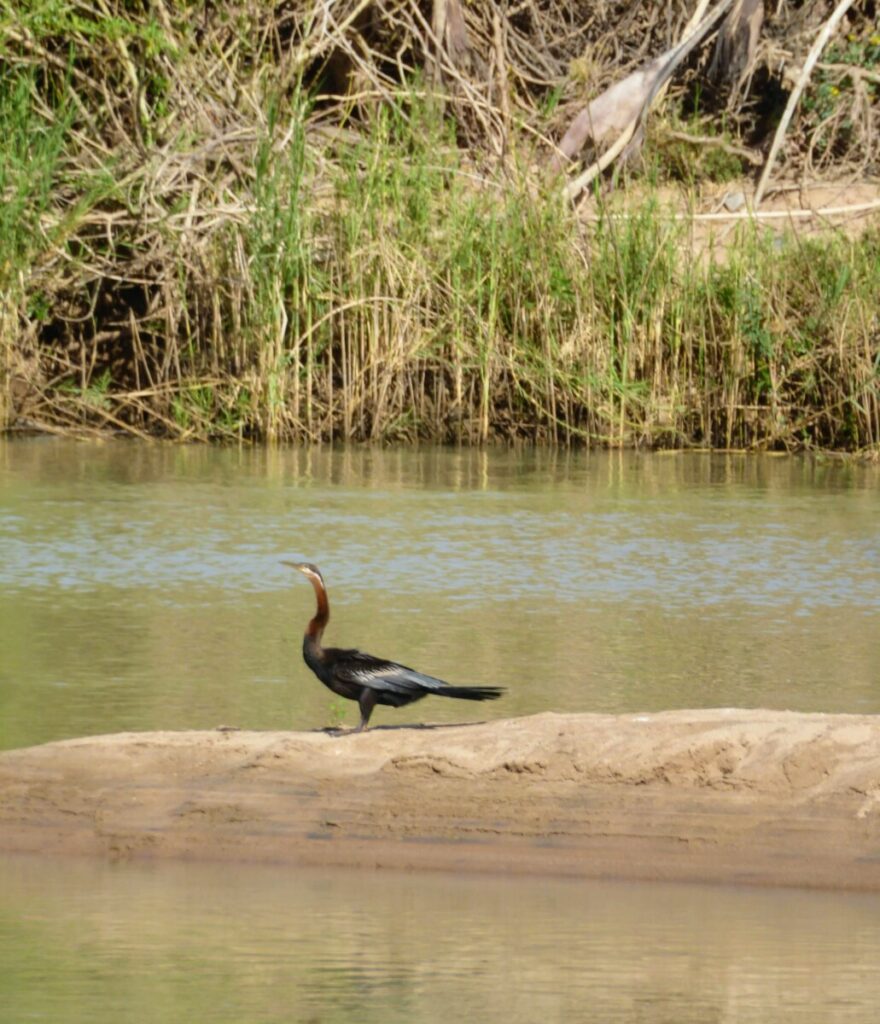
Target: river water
(101,943)
(142,589)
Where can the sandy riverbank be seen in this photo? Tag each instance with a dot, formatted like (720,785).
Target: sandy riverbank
(719,795)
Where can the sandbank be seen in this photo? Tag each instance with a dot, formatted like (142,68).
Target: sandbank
(722,795)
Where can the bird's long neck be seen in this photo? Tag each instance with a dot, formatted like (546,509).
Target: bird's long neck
(315,628)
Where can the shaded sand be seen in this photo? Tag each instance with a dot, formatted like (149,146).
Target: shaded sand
(720,795)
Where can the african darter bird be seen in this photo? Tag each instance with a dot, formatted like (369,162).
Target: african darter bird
(361,677)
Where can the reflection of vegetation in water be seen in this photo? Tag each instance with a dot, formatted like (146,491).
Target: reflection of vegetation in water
(85,941)
(249,263)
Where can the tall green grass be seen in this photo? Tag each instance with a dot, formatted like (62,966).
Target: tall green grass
(401,295)
(30,157)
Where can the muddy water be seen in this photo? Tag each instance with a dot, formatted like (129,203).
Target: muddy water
(141,588)
(94,943)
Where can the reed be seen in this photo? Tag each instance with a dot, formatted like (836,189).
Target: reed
(29,167)
(247,263)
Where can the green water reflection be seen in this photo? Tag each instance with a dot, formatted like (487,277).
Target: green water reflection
(97,942)
(141,584)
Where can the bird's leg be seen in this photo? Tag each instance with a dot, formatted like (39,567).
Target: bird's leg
(366,702)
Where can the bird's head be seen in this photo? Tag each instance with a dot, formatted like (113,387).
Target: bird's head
(307,569)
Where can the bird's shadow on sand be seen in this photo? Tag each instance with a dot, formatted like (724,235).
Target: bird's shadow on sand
(331,731)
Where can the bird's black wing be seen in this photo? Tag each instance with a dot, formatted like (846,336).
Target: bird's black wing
(381,675)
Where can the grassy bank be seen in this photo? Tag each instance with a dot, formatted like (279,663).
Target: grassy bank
(197,242)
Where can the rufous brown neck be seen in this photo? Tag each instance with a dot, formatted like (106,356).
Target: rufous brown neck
(318,623)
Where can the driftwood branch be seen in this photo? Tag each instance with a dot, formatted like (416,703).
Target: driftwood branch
(625,105)
(450,31)
(737,43)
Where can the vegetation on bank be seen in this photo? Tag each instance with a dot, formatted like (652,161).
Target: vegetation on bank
(235,222)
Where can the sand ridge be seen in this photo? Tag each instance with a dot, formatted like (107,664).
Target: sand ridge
(714,795)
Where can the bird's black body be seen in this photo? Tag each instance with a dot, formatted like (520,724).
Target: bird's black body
(368,680)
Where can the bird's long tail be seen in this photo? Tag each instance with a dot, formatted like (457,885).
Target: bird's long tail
(470,692)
